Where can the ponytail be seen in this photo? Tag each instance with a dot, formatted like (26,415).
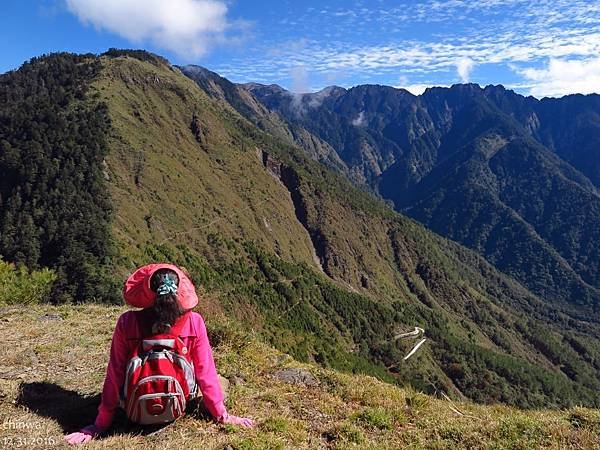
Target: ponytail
(166,309)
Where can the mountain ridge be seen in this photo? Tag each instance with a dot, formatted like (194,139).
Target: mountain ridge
(194,182)
(401,141)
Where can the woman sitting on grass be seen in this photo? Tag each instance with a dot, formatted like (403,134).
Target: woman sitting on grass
(158,356)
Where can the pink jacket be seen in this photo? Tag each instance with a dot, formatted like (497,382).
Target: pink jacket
(126,336)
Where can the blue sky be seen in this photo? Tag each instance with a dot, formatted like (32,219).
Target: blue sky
(541,48)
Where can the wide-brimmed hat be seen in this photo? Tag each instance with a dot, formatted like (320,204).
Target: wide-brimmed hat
(137,291)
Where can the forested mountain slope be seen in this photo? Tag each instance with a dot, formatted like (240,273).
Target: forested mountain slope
(290,249)
(513,178)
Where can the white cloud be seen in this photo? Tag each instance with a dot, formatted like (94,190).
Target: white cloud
(464,66)
(187,27)
(360,120)
(418,88)
(299,76)
(467,35)
(562,77)
(418,57)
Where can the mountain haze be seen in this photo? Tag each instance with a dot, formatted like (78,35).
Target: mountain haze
(252,109)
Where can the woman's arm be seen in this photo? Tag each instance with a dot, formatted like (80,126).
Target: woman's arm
(205,370)
(115,372)
(208,380)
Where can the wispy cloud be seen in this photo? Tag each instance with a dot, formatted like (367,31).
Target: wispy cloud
(359,120)
(299,86)
(434,40)
(299,76)
(187,27)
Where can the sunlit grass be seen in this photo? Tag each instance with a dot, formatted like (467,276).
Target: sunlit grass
(343,411)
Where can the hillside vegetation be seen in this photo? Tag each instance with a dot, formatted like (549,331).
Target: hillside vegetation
(513,178)
(54,206)
(317,268)
(53,363)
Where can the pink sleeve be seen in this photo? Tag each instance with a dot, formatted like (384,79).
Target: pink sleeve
(115,375)
(206,372)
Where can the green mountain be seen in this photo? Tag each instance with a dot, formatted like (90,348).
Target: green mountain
(569,126)
(514,178)
(280,243)
(252,109)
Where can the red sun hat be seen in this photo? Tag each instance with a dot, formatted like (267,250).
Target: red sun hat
(137,291)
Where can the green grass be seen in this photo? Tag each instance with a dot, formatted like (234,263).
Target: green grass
(57,391)
(375,418)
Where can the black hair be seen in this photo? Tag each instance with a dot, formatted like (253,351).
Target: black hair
(166,308)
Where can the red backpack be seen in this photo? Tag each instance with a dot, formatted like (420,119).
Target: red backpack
(160,376)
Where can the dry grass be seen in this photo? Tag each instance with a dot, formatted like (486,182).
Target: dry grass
(53,360)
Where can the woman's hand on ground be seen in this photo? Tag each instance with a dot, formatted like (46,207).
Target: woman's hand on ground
(235,420)
(82,436)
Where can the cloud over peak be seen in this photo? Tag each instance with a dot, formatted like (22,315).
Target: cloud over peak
(464,66)
(187,27)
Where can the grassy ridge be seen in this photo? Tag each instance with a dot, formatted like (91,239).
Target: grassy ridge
(52,391)
(167,186)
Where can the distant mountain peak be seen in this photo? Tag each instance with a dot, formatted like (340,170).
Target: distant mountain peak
(274,88)
(333,89)
(429,153)
(315,99)
(198,69)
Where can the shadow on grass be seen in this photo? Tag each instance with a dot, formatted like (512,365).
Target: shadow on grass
(72,411)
